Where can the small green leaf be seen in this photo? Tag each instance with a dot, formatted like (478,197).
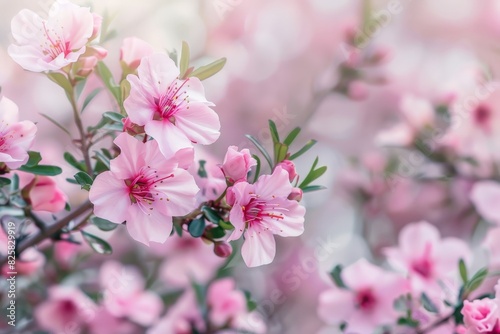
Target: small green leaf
(274,132)
(304,149)
(107,78)
(261,149)
(463,271)
(67,207)
(251,304)
(102,158)
(257,168)
(103,224)
(205,72)
(291,136)
(4,182)
(84,180)
(69,158)
(97,244)
(197,227)
(313,174)
(46,170)
(184,62)
(14,186)
(53,121)
(428,304)
(113,116)
(309,189)
(408,322)
(34,159)
(215,232)
(211,214)
(226,225)
(280,152)
(89,98)
(476,281)
(202,172)
(336,275)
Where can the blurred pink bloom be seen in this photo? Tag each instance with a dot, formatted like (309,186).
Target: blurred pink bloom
(42,192)
(237,164)
(188,259)
(133,50)
(143,189)
(289,166)
(124,294)
(67,310)
(49,45)
(225,302)
(369,300)
(426,257)
(105,323)
(486,196)
(263,209)
(358,90)
(16,137)
(174,112)
(481,316)
(181,318)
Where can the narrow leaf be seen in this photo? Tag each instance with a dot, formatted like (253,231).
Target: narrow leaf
(336,275)
(463,271)
(428,304)
(257,168)
(103,224)
(84,180)
(34,158)
(291,136)
(261,149)
(113,116)
(280,152)
(62,81)
(304,149)
(205,72)
(97,244)
(184,62)
(309,189)
(70,159)
(4,182)
(274,132)
(46,170)
(53,121)
(476,280)
(211,214)
(89,98)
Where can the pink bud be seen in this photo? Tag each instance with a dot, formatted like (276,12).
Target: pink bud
(296,195)
(222,249)
(85,66)
(357,90)
(289,166)
(237,164)
(133,50)
(42,192)
(132,128)
(230,196)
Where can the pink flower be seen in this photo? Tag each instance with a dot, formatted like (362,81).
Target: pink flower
(426,257)
(105,323)
(124,294)
(133,50)
(237,164)
(49,45)
(225,302)
(261,210)
(67,310)
(174,112)
(143,189)
(481,316)
(369,300)
(486,195)
(15,137)
(42,192)
(289,166)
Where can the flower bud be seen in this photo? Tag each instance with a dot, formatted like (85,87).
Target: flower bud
(132,128)
(222,249)
(357,90)
(133,50)
(84,66)
(289,166)
(296,195)
(237,164)
(41,192)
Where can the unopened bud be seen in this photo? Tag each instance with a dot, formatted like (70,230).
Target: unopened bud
(296,195)
(222,249)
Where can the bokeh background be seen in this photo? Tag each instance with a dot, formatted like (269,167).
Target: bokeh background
(327,66)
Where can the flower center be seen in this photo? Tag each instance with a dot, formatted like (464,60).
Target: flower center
(54,45)
(142,187)
(257,210)
(482,116)
(365,299)
(168,104)
(68,307)
(423,267)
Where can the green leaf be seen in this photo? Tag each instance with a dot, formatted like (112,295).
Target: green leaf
(89,98)
(211,214)
(476,281)
(103,224)
(251,304)
(274,132)
(84,180)
(46,170)
(107,78)
(205,72)
(97,244)
(428,304)
(34,158)
(102,158)
(336,275)
(67,207)
(313,174)
(215,232)
(4,182)
(113,116)
(261,149)
(408,322)
(62,81)
(309,189)
(184,62)
(197,227)
(14,186)
(53,121)
(291,136)
(202,172)
(280,152)
(70,159)
(304,149)
(226,225)
(463,271)
(257,168)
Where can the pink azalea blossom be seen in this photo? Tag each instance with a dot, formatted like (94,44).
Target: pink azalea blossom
(105,323)
(15,137)
(51,44)
(143,189)
(42,192)
(174,112)
(124,294)
(237,164)
(426,257)
(261,210)
(481,316)
(225,302)
(367,303)
(133,50)
(67,310)
(486,195)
